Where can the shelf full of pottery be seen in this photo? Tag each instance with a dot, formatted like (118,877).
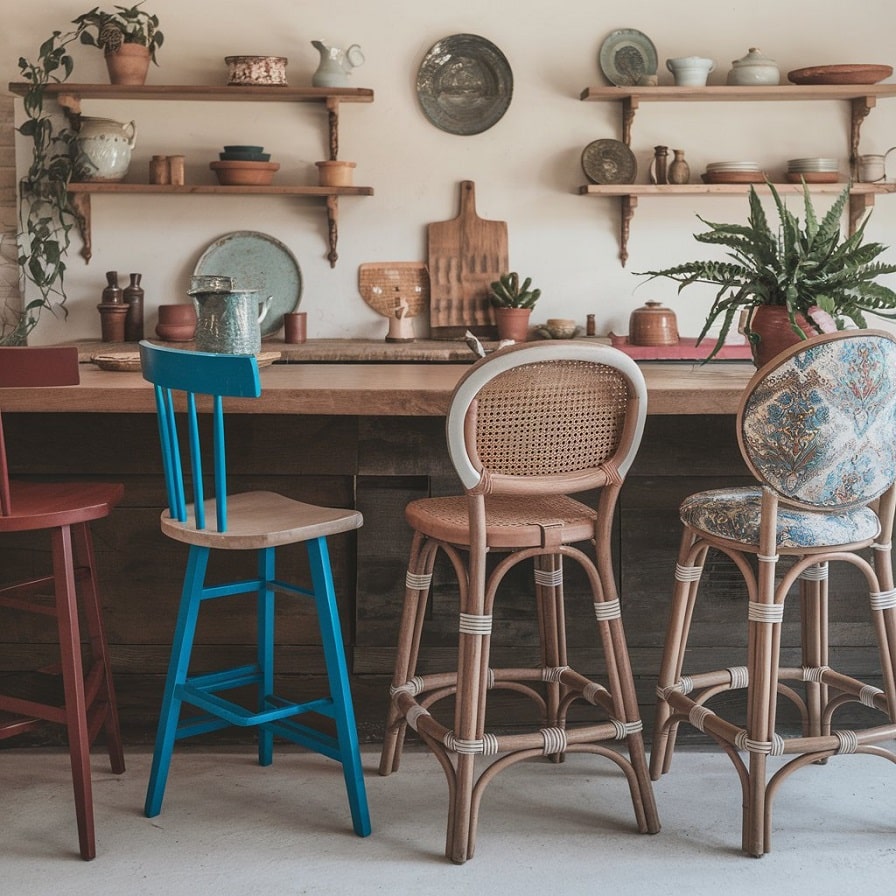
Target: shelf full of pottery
(107,166)
(611,167)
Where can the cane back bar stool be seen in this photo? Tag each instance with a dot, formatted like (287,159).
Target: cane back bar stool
(249,521)
(527,426)
(817,428)
(63,510)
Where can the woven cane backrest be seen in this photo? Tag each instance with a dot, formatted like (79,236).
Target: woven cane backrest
(557,415)
(819,427)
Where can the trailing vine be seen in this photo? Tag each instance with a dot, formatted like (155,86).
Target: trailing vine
(45,216)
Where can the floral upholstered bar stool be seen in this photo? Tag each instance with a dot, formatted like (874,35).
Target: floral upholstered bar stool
(817,428)
(527,427)
(258,524)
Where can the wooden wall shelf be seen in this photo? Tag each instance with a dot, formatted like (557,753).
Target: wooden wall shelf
(862,98)
(71,96)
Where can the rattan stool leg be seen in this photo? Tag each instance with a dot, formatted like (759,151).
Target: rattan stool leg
(417,583)
(552,631)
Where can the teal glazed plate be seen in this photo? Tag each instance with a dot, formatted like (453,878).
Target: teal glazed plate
(256,261)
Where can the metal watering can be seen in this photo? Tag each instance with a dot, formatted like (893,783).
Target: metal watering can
(229,322)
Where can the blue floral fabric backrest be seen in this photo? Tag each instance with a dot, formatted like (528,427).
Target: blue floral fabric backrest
(820,428)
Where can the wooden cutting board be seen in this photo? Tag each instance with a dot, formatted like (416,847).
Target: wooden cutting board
(465,255)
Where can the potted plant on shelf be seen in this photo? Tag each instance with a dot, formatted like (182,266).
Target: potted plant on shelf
(513,303)
(129,36)
(785,285)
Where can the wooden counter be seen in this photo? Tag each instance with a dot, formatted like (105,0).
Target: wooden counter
(383,389)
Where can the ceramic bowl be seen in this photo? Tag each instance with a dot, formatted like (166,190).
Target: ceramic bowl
(561,328)
(239,147)
(269,71)
(244,156)
(177,323)
(240,174)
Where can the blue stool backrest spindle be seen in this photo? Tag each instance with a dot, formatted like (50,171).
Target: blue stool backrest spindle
(217,376)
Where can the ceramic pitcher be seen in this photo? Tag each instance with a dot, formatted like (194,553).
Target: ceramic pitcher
(229,322)
(103,149)
(872,167)
(335,64)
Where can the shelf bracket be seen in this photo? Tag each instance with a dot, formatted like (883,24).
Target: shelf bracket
(332,228)
(333,113)
(859,203)
(79,203)
(628,205)
(629,107)
(861,106)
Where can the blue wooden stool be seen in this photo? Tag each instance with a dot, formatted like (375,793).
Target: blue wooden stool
(256,521)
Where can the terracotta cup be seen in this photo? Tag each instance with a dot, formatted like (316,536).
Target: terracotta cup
(177,323)
(295,327)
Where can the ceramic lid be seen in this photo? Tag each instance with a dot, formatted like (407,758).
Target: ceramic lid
(754,57)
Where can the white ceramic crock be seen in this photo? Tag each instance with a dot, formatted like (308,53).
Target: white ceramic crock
(690,71)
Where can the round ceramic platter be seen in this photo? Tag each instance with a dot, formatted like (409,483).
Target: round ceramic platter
(256,261)
(464,84)
(609,162)
(626,56)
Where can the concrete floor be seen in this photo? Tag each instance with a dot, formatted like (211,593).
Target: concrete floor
(230,827)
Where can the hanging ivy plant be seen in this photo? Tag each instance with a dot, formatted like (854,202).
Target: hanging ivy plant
(45,216)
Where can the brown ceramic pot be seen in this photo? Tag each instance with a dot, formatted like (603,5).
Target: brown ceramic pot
(653,325)
(773,333)
(177,323)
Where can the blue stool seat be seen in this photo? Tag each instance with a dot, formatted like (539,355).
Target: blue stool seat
(260,522)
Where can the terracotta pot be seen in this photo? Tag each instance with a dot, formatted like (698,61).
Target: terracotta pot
(771,325)
(335,174)
(177,323)
(513,323)
(653,325)
(128,64)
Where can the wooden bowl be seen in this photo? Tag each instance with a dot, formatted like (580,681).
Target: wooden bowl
(241,174)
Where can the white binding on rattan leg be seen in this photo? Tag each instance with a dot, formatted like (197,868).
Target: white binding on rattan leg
(815,673)
(475,625)
(687,573)
(868,694)
(488,746)
(607,609)
(552,674)
(757,612)
(549,578)
(883,600)
(774,747)
(554,741)
(847,741)
(816,573)
(418,581)
(412,687)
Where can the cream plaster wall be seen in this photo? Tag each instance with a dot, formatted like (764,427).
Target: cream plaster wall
(526,168)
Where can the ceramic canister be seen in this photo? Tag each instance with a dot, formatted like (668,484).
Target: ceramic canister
(104,149)
(690,71)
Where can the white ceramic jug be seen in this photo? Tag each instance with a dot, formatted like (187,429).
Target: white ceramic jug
(335,64)
(690,71)
(103,149)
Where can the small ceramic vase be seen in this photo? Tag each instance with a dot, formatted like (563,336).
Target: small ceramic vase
(133,298)
(690,71)
(679,170)
(177,323)
(754,69)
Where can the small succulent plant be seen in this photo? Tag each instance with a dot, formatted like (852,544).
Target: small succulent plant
(506,292)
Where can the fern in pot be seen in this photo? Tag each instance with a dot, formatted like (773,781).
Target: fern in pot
(786,284)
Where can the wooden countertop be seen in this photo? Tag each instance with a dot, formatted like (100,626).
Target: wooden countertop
(381,389)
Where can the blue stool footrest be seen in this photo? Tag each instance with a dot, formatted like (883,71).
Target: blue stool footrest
(311,738)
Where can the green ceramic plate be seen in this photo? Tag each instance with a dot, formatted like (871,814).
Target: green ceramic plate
(257,261)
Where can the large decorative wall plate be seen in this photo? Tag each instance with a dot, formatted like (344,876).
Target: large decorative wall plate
(626,56)
(609,162)
(257,261)
(464,84)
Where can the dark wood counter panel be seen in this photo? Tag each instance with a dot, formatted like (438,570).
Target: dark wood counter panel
(371,436)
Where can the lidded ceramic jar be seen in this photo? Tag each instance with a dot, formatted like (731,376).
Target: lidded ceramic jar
(653,325)
(754,69)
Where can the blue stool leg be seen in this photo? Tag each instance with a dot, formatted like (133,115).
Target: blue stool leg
(337,674)
(178,667)
(265,648)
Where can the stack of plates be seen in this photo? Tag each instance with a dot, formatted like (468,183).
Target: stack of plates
(813,171)
(733,173)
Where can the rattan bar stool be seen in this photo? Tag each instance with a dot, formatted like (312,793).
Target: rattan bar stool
(527,427)
(817,428)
